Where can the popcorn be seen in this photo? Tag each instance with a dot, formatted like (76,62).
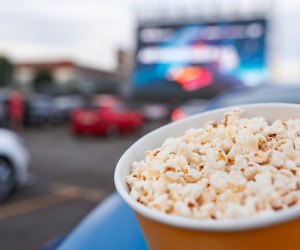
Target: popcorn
(219,181)
(296,142)
(277,158)
(236,181)
(234,169)
(193,175)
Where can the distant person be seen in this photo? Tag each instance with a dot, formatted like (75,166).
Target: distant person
(16,109)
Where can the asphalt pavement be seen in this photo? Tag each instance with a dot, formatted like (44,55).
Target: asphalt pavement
(70,176)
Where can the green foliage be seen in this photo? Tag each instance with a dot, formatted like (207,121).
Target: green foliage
(6,72)
(42,80)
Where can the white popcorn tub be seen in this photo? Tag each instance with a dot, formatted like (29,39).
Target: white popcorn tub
(265,231)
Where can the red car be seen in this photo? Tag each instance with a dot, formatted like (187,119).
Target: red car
(105,121)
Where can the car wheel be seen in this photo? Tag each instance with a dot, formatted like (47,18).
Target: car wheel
(7,178)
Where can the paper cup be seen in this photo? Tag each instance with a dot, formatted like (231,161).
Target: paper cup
(278,230)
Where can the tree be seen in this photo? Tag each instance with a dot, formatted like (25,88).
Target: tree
(6,72)
(42,80)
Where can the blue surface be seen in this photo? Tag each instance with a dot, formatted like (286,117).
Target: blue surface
(110,226)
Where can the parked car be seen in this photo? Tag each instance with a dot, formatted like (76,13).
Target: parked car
(41,110)
(14,160)
(239,96)
(105,121)
(65,104)
(265,93)
(3,109)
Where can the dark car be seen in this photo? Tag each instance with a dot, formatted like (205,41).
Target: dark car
(65,104)
(239,96)
(266,93)
(40,111)
(3,109)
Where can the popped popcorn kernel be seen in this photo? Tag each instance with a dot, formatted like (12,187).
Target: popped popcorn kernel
(236,168)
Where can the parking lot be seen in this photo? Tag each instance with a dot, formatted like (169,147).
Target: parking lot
(71,175)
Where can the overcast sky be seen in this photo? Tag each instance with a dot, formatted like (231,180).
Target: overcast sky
(87,31)
(90,31)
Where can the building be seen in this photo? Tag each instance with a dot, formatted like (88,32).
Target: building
(67,73)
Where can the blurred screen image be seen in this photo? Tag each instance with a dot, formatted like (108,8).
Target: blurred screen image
(190,57)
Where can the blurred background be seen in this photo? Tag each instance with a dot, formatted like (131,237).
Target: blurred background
(80,81)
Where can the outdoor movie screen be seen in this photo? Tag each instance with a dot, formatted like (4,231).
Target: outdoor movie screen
(195,56)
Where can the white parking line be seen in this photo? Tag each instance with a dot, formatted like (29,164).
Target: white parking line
(31,205)
(90,194)
(62,193)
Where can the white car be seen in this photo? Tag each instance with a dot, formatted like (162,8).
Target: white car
(14,160)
